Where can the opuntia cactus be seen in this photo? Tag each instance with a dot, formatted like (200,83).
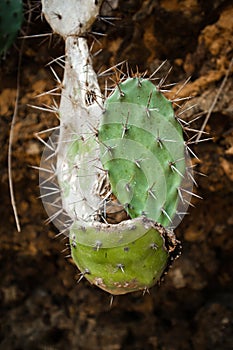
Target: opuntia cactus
(115,170)
(11,18)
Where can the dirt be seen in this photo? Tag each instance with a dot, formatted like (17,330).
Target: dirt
(42,306)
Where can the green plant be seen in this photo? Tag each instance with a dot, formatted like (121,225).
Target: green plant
(112,179)
(11,18)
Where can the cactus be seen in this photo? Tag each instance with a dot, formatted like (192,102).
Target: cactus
(112,177)
(11,18)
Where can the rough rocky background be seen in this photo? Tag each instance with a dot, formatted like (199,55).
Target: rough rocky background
(41,305)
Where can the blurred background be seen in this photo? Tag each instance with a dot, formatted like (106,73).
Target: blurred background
(41,305)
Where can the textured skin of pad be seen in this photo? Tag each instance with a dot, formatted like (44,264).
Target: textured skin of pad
(142,148)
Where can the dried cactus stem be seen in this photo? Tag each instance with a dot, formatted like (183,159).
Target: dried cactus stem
(80,107)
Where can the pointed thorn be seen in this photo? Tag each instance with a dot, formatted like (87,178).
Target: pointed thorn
(98,245)
(191,193)
(121,267)
(174,168)
(82,274)
(111,301)
(161,65)
(166,214)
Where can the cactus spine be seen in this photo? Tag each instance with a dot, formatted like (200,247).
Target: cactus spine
(11,18)
(119,165)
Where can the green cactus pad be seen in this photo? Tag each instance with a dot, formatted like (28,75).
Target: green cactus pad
(122,258)
(11,18)
(142,148)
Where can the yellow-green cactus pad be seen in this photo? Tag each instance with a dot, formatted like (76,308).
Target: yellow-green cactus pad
(122,258)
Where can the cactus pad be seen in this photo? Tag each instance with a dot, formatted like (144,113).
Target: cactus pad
(142,149)
(11,18)
(130,256)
